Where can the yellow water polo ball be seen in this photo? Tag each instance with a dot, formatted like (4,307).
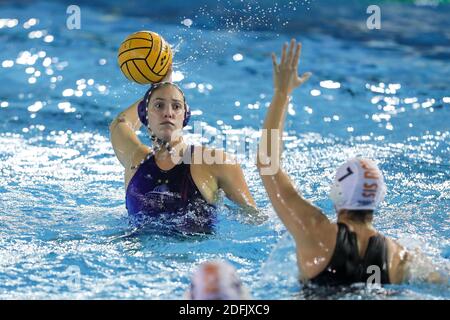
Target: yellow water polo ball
(145,57)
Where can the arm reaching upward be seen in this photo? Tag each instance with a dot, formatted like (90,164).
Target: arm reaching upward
(127,146)
(126,143)
(302,219)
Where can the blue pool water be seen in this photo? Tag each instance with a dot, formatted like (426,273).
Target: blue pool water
(64,232)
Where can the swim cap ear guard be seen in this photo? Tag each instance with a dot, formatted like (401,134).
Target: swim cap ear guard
(143,105)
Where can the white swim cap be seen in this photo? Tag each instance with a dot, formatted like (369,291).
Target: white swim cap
(216,280)
(358,185)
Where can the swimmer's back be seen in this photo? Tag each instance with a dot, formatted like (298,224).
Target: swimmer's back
(346,255)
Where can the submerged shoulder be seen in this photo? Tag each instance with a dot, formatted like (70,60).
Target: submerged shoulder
(398,258)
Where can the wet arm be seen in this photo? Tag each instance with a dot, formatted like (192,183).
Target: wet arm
(123,137)
(416,267)
(127,146)
(231,180)
(299,216)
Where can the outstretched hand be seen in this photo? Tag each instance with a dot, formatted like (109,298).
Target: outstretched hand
(285,74)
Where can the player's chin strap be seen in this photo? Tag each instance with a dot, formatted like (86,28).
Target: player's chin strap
(158,143)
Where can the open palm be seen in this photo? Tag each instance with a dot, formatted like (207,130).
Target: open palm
(285,74)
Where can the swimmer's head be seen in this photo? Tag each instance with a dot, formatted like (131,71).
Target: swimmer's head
(164,110)
(358,186)
(216,280)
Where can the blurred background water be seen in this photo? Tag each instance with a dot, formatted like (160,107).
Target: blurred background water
(383,94)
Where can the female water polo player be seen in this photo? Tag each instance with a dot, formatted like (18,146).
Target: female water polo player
(341,253)
(167,180)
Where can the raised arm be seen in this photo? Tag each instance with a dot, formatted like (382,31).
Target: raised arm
(126,144)
(300,217)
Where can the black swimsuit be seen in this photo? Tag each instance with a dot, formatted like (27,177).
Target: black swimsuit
(347,267)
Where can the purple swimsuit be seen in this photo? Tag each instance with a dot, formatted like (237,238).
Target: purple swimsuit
(169,197)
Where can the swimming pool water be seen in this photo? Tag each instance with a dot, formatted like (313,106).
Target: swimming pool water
(384,94)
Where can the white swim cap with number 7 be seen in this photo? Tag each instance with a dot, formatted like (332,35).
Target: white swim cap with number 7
(358,185)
